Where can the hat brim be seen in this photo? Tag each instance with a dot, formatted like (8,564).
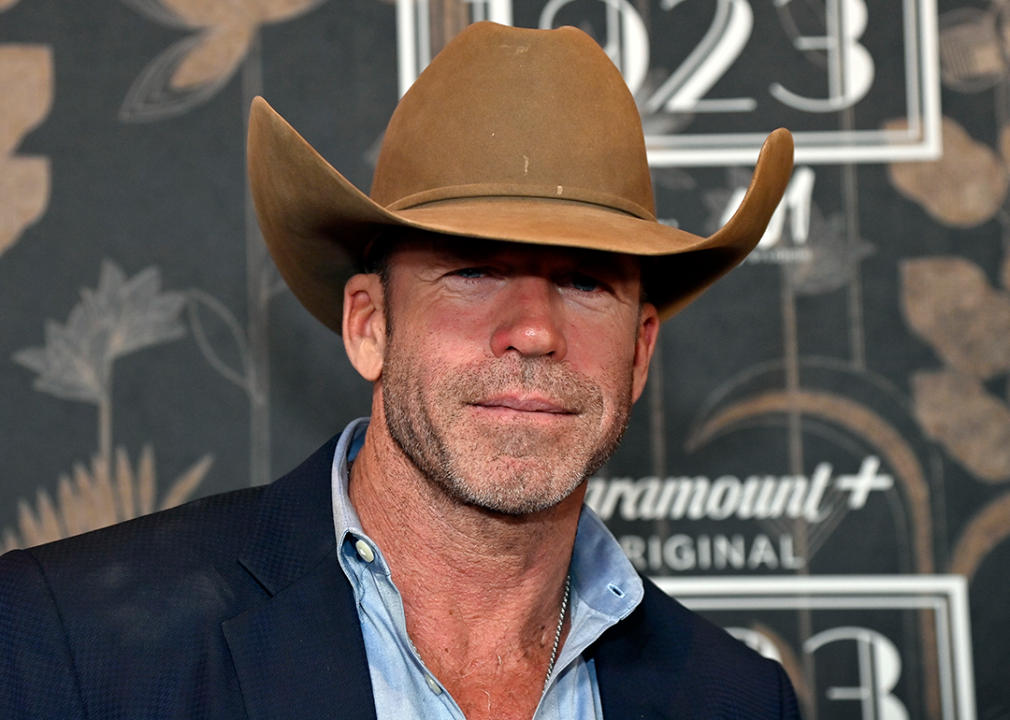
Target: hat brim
(317,224)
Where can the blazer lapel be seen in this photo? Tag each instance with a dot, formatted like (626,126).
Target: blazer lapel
(643,664)
(664,661)
(300,655)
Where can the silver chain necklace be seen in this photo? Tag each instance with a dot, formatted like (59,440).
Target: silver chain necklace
(557,633)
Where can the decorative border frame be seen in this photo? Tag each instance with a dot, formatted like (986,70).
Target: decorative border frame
(920,141)
(946,595)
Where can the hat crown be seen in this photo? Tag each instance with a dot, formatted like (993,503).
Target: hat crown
(513,112)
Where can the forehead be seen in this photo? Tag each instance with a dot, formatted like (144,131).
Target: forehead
(438,250)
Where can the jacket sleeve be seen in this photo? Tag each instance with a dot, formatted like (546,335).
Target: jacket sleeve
(37,676)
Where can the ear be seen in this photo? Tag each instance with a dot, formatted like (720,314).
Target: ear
(645,343)
(364,327)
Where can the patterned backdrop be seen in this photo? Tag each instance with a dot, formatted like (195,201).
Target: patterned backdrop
(821,458)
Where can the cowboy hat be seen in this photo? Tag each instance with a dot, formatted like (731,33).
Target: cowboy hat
(527,136)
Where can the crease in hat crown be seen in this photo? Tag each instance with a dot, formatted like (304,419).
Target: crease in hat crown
(509,134)
(512,112)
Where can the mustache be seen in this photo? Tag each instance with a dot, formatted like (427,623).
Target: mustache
(541,378)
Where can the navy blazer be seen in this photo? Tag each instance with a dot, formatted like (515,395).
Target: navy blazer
(234,606)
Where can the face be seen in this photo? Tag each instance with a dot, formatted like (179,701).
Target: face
(510,370)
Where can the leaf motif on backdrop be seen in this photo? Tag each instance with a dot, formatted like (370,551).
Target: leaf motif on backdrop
(99,496)
(26,86)
(224,38)
(158,12)
(948,301)
(121,316)
(241,376)
(971,54)
(973,426)
(964,188)
(214,57)
(153,95)
(831,258)
(194,69)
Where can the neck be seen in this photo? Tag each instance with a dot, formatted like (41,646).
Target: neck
(481,591)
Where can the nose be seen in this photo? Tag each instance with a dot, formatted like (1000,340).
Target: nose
(530,320)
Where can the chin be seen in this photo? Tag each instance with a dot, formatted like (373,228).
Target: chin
(517,488)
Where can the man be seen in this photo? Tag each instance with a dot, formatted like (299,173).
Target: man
(437,561)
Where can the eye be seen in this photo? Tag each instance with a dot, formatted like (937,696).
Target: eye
(470,273)
(585,283)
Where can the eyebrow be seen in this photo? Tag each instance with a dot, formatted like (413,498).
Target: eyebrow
(583,259)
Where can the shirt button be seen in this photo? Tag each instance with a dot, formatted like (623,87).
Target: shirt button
(364,552)
(432,684)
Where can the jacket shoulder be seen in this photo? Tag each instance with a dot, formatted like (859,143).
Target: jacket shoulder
(86,622)
(126,621)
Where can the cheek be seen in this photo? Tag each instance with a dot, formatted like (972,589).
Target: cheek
(452,332)
(440,340)
(605,351)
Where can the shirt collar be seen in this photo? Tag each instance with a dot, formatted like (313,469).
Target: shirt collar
(345,519)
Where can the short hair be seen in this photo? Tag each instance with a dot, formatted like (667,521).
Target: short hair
(377,254)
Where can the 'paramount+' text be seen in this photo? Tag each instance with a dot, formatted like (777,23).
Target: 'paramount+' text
(794,498)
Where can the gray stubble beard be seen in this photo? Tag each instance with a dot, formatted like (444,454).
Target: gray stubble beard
(414,430)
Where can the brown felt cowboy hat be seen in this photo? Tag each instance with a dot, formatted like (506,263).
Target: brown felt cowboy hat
(527,136)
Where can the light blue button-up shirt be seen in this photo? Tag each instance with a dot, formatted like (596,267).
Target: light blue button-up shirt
(605,589)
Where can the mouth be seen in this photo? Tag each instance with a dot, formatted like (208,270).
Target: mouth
(524,404)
